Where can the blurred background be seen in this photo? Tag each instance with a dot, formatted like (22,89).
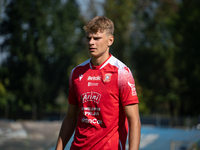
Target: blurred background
(41,41)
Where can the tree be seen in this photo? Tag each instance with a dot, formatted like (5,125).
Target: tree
(41,38)
(154,56)
(166,56)
(121,13)
(186,36)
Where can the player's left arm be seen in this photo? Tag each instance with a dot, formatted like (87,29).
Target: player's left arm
(132,114)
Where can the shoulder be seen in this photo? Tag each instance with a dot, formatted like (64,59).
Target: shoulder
(119,64)
(81,66)
(79,70)
(116,62)
(124,73)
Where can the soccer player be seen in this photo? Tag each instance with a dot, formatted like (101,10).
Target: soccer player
(103,102)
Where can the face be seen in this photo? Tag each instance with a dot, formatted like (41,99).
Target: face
(98,43)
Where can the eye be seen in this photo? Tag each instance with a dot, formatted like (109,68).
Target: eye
(88,38)
(97,38)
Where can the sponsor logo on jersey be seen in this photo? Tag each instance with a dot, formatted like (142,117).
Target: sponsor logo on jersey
(80,77)
(107,77)
(91,121)
(91,108)
(91,111)
(87,113)
(94,78)
(91,96)
(92,84)
(132,89)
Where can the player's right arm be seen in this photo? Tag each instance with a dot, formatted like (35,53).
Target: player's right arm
(68,126)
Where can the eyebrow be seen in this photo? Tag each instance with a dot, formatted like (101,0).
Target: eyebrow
(94,37)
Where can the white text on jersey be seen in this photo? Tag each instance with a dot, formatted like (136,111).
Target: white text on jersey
(92,84)
(90,78)
(91,108)
(91,96)
(132,89)
(91,121)
(87,113)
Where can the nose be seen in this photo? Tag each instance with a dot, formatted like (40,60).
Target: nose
(91,41)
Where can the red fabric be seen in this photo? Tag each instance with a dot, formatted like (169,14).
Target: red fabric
(101,92)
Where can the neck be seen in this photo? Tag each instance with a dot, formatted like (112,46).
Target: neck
(96,61)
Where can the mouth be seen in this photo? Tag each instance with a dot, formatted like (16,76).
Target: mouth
(92,49)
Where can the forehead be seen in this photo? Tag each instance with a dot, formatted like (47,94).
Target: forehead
(95,34)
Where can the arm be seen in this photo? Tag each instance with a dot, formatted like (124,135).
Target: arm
(68,126)
(132,113)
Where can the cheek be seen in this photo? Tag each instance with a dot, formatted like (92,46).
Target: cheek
(104,43)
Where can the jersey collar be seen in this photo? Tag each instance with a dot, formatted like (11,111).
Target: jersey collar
(100,66)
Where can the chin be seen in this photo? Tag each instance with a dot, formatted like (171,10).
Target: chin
(92,54)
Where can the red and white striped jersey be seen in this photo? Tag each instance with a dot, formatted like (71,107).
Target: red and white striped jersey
(101,92)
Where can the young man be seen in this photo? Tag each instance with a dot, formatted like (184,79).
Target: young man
(102,97)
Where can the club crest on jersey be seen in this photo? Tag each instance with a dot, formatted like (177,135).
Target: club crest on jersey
(107,77)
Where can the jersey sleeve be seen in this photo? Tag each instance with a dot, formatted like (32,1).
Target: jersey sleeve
(72,95)
(128,94)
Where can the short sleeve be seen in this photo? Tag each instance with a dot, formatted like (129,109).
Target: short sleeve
(72,95)
(128,94)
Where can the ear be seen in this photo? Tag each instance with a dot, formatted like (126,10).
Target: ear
(110,40)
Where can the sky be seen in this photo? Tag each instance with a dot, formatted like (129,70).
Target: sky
(84,7)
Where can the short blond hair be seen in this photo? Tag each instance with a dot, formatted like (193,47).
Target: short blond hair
(100,23)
